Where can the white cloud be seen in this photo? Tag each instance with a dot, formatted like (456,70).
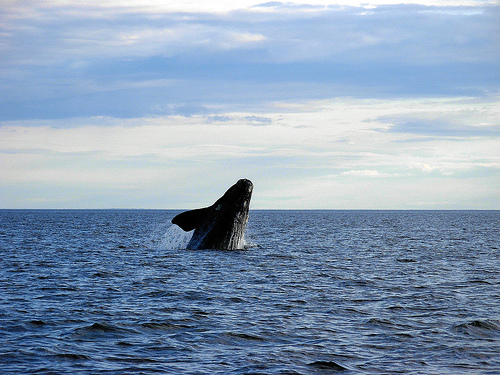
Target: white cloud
(339,159)
(227,5)
(363,173)
(59,31)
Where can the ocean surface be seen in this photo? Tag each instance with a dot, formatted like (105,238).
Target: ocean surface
(313,292)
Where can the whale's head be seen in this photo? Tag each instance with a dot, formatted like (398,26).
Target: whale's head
(221,225)
(236,200)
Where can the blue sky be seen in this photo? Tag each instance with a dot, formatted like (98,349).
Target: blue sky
(322,104)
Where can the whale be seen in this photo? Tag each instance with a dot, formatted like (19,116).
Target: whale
(222,225)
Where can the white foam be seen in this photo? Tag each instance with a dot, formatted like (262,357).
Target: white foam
(174,238)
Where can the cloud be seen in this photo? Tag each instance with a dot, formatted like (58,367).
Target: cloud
(362,173)
(159,105)
(341,159)
(258,120)
(62,61)
(251,120)
(443,128)
(456,122)
(218,118)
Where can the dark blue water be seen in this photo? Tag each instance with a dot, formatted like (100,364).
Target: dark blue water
(315,292)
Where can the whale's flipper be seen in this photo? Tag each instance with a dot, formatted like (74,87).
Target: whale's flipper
(189,220)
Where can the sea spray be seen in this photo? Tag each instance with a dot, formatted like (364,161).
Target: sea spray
(174,238)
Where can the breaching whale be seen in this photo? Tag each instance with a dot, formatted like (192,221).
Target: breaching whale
(222,225)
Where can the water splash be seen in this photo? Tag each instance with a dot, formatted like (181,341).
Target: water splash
(174,239)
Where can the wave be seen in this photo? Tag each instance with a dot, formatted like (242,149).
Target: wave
(165,326)
(479,328)
(73,356)
(102,329)
(327,365)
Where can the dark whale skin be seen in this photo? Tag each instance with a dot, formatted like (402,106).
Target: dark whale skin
(222,225)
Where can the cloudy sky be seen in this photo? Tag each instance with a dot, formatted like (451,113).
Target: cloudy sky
(322,104)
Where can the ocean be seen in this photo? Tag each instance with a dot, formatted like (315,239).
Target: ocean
(313,292)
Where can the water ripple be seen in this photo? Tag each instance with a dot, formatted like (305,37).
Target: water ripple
(316,292)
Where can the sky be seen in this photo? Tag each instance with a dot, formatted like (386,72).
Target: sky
(322,104)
